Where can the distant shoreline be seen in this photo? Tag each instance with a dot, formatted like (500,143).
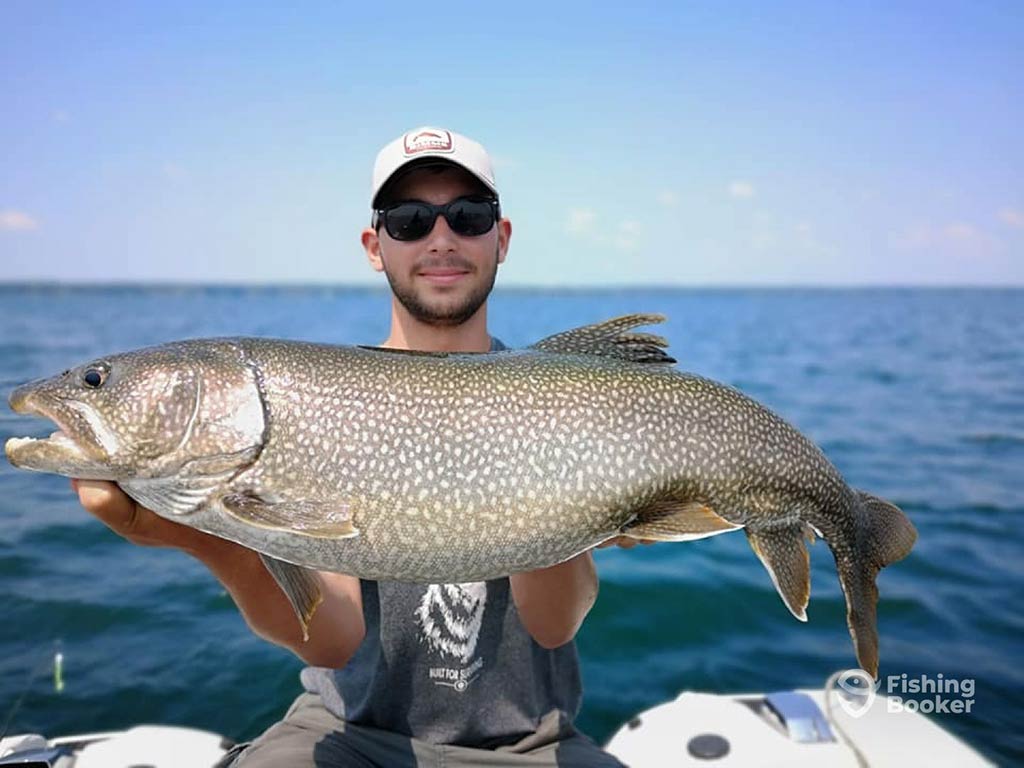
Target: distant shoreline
(159,286)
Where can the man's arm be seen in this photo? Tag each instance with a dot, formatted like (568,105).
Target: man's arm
(552,602)
(337,627)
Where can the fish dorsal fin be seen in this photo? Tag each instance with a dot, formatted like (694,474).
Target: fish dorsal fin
(304,518)
(612,338)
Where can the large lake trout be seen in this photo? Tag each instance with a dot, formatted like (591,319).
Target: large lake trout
(458,467)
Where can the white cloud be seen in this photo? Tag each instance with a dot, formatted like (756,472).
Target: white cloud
(628,236)
(583,224)
(763,241)
(791,242)
(958,230)
(668,198)
(581,221)
(174,172)
(16,221)
(913,237)
(61,116)
(957,236)
(1014,217)
(741,190)
(503,162)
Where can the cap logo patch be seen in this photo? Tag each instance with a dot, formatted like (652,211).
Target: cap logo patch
(427,141)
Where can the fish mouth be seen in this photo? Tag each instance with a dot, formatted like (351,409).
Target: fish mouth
(74,450)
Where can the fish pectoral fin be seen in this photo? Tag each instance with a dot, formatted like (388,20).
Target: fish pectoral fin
(784,555)
(672,520)
(300,585)
(168,495)
(612,339)
(304,518)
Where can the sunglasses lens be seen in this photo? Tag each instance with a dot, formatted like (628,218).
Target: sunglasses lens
(465,216)
(470,217)
(409,221)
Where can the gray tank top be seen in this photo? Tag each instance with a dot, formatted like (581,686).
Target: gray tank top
(450,664)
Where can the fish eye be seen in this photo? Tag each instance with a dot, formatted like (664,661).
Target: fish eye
(94,376)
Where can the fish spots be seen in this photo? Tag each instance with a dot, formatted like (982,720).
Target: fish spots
(477,463)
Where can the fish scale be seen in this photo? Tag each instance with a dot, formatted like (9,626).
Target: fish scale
(440,468)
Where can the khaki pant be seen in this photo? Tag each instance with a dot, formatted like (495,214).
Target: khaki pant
(311,737)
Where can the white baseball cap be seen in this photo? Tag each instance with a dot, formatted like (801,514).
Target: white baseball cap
(427,145)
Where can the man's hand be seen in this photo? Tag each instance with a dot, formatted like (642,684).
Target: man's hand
(626,542)
(337,628)
(125,517)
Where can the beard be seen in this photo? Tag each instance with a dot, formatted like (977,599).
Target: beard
(444,311)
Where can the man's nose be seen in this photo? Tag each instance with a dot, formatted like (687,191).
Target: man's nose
(441,237)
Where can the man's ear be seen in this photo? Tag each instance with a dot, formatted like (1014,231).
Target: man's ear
(504,236)
(371,244)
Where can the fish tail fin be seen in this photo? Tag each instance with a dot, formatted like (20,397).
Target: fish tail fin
(884,535)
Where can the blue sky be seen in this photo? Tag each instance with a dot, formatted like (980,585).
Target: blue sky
(676,143)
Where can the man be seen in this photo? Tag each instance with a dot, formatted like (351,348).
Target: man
(404,674)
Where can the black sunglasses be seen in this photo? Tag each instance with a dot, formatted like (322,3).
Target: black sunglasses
(413,219)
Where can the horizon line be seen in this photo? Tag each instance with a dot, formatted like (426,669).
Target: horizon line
(515,287)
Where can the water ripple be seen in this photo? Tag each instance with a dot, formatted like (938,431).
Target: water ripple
(915,395)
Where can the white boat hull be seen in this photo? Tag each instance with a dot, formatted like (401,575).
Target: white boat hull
(755,735)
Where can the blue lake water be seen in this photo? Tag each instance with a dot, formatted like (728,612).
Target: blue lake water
(916,395)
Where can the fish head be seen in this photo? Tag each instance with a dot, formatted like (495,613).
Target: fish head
(188,408)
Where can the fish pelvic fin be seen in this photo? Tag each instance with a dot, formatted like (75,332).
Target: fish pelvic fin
(612,338)
(884,535)
(671,520)
(783,553)
(316,519)
(300,585)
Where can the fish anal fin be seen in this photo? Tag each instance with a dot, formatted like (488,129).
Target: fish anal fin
(300,585)
(673,520)
(317,519)
(785,557)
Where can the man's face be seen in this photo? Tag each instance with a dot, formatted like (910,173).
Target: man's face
(442,278)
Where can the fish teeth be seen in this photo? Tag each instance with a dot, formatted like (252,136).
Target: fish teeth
(13,443)
(16,442)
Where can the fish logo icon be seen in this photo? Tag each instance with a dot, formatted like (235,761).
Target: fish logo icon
(858,690)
